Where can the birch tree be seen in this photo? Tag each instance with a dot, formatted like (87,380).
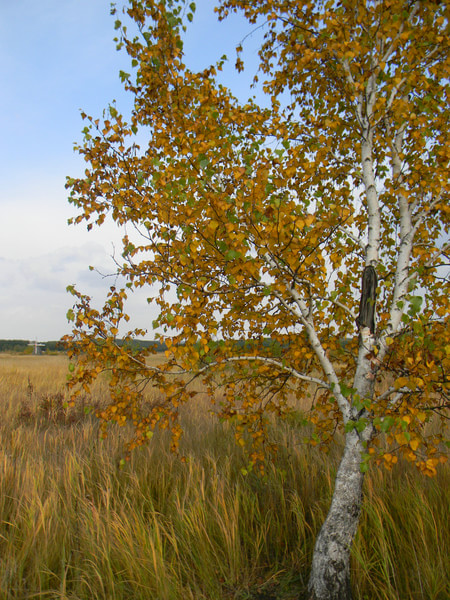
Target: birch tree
(304,244)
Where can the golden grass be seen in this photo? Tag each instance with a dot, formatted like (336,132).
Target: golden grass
(74,525)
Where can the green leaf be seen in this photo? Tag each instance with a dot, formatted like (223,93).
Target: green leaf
(386,424)
(232,255)
(415,304)
(360,425)
(365,460)
(346,391)
(172,21)
(349,426)
(364,467)
(203,162)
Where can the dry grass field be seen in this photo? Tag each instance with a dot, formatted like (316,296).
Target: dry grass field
(76,526)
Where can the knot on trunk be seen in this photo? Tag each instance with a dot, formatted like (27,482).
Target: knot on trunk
(366,317)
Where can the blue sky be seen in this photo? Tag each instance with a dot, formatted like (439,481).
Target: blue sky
(57,57)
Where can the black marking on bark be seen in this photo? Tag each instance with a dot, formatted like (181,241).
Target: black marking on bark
(366,317)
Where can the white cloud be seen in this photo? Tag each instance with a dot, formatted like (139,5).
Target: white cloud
(55,58)
(33,296)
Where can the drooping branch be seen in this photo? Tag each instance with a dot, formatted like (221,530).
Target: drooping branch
(274,363)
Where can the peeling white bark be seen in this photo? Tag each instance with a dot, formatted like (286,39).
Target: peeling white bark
(330,574)
(402,273)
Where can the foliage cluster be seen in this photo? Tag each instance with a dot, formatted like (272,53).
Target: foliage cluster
(255,223)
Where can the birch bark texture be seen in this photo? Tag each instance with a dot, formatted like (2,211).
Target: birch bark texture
(293,246)
(330,571)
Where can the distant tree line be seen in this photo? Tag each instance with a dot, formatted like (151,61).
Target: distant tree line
(26,347)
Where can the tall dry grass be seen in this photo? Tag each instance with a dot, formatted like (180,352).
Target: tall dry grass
(74,525)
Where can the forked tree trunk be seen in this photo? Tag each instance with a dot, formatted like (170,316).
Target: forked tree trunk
(330,573)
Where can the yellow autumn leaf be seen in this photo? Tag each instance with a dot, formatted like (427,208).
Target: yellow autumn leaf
(238,173)
(401,382)
(414,444)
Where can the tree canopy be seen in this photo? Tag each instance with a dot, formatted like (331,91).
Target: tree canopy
(314,231)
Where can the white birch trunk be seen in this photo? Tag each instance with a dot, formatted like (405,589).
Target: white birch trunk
(330,573)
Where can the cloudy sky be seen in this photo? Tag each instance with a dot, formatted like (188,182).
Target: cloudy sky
(57,57)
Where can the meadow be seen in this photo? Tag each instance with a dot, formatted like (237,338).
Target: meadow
(75,525)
